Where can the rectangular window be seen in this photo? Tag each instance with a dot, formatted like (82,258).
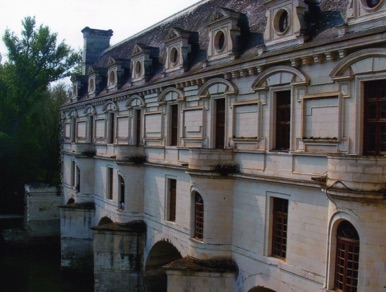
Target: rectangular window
(109,183)
(283,119)
(172,199)
(73,130)
(279,227)
(375,117)
(173,125)
(111,131)
(137,127)
(73,174)
(220,124)
(91,129)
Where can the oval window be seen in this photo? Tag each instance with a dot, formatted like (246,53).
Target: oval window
(372,3)
(174,56)
(91,86)
(138,68)
(219,40)
(281,21)
(112,78)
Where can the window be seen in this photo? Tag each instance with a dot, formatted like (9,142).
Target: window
(220,123)
(372,3)
(77,179)
(173,128)
(111,132)
(347,258)
(121,191)
(91,129)
(73,174)
(109,183)
(198,217)
(375,117)
(174,56)
(279,228)
(281,21)
(73,130)
(219,41)
(172,199)
(137,127)
(283,119)
(112,78)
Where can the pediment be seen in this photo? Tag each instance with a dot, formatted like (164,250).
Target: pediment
(140,49)
(222,13)
(176,32)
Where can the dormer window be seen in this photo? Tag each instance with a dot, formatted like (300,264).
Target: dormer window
(365,14)
(118,70)
(225,29)
(144,59)
(286,25)
(179,44)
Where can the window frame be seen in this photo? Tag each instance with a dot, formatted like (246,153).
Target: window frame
(198,217)
(275,128)
(121,192)
(109,183)
(171,199)
(344,246)
(172,129)
(277,217)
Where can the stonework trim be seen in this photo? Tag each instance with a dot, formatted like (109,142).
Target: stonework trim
(356,57)
(298,76)
(231,89)
(110,106)
(134,101)
(167,91)
(336,218)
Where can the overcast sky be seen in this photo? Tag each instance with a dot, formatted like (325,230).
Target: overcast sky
(69,17)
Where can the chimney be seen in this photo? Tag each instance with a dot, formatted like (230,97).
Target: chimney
(95,41)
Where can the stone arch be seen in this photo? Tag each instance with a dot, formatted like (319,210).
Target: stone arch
(110,106)
(363,61)
(171,94)
(161,253)
(217,86)
(336,219)
(90,110)
(135,101)
(260,289)
(73,114)
(279,75)
(104,220)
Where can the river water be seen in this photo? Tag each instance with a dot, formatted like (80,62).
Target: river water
(36,268)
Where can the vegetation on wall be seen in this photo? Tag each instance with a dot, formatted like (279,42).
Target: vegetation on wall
(29,107)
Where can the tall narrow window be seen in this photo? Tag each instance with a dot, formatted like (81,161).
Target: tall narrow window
(283,119)
(375,117)
(198,217)
(91,129)
(121,185)
(73,174)
(173,129)
(137,127)
(172,199)
(111,132)
(220,123)
(279,227)
(109,183)
(77,179)
(347,258)
(73,130)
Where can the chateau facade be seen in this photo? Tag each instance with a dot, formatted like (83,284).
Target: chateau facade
(235,146)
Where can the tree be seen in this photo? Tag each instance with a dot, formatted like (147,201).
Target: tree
(34,60)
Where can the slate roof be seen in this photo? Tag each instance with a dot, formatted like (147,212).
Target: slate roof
(196,19)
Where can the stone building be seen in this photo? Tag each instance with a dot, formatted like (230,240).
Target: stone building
(235,146)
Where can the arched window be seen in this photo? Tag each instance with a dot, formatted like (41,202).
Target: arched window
(347,258)
(121,196)
(198,217)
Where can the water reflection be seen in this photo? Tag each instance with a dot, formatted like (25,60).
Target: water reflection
(37,268)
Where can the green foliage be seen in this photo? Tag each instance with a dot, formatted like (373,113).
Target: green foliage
(29,109)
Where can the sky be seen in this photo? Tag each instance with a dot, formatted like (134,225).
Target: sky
(68,17)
